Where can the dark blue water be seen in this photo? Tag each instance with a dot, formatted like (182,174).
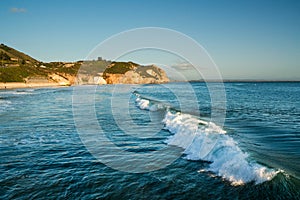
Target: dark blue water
(45,154)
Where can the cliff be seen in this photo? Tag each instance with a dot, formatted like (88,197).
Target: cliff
(17,67)
(132,73)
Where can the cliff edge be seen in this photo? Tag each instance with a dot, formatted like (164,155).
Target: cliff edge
(20,70)
(132,73)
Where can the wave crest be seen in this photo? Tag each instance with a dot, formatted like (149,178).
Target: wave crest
(206,141)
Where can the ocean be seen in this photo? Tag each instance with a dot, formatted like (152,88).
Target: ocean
(151,142)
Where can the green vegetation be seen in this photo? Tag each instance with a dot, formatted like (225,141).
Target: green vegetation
(61,68)
(16,66)
(19,73)
(4,56)
(12,74)
(94,67)
(12,53)
(120,67)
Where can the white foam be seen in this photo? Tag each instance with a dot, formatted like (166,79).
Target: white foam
(21,92)
(145,104)
(142,103)
(18,92)
(208,142)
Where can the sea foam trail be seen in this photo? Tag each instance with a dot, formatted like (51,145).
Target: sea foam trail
(206,141)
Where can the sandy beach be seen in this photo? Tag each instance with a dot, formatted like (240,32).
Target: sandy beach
(16,85)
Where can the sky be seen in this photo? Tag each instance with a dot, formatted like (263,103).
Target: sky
(246,39)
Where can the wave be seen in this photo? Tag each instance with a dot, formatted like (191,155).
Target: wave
(23,91)
(206,141)
(18,92)
(145,104)
(4,104)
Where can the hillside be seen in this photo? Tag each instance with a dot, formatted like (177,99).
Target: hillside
(133,73)
(18,67)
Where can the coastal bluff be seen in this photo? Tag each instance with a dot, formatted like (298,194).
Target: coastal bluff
(19,70)
(132,73)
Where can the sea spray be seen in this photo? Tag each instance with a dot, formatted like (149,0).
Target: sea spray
(145,104)
(206,141)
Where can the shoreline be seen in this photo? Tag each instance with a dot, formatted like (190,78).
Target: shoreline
(20,85)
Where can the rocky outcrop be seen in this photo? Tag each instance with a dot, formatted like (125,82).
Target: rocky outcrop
(86,79)
(53,78)
(61,80)
(132,73)
(17,67)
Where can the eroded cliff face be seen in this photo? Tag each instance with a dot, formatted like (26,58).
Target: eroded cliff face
(62,79)
(20,68)
(134,74)
(115,73)
(86,79)
(59,79)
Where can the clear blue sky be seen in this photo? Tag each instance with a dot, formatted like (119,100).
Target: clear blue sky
(246,38)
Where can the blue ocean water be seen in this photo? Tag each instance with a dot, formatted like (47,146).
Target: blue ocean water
(51,147)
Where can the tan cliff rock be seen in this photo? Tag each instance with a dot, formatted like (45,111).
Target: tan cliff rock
(20,70)
(134,74)
(61,79)
(86,79)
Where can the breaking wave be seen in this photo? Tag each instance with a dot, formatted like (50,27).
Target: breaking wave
(206,141)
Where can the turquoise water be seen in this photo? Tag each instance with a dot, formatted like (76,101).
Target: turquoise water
(46,153)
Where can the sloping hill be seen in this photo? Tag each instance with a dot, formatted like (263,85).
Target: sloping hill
(8,52)
(133,73)
(16,66)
